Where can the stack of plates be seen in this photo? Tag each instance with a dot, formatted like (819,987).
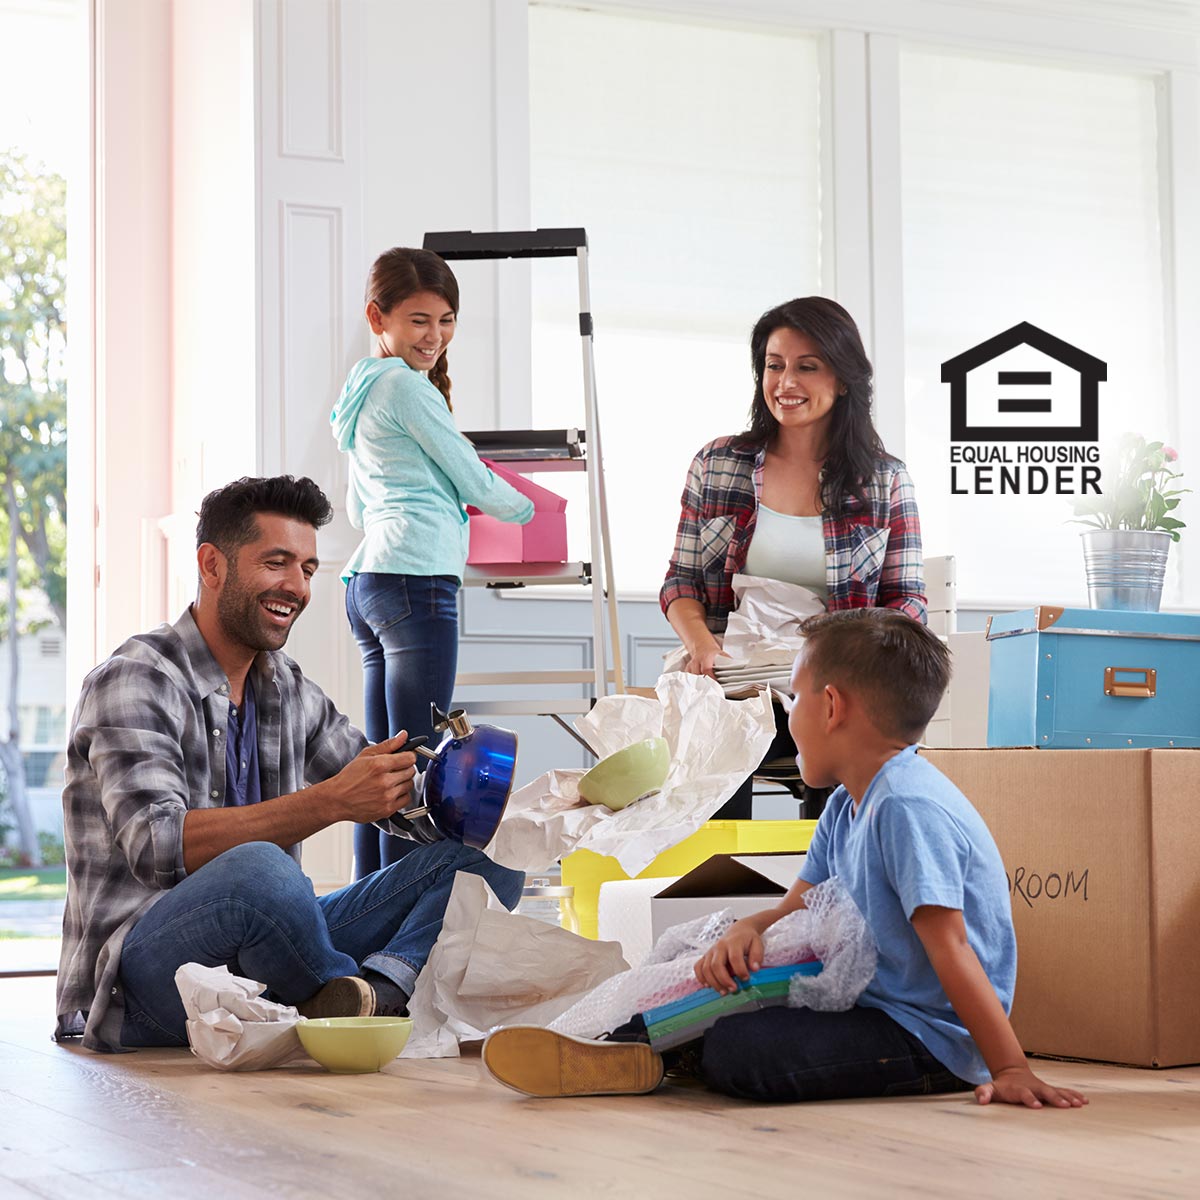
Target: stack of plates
(738,676)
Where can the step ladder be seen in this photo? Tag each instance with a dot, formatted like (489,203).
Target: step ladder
(534,451)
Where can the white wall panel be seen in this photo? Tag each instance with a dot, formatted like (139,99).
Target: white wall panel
(310,240)
(311,79)
(312,324)
(644,655)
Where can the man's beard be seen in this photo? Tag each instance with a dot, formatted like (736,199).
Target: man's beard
(242,619)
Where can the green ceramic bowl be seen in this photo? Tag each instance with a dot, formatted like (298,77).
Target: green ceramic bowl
(354,1045)
(626,776)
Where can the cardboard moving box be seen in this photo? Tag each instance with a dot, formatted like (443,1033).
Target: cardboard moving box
(1102,852)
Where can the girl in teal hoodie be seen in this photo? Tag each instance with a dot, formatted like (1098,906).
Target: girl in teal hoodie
(411,473)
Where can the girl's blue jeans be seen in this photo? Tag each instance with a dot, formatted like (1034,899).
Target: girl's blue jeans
(406,627)
(252,910)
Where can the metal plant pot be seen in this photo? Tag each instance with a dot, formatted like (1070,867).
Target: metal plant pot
(1125,567)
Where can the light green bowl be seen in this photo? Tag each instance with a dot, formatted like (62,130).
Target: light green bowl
(622,778)
(354,1045)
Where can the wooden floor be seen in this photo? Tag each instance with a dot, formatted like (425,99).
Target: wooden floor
(158,1123)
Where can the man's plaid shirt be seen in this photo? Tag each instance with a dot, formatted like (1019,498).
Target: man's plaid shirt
(147,744)
(872,553)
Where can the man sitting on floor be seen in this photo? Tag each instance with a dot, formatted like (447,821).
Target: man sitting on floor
(199,758)
(925,873)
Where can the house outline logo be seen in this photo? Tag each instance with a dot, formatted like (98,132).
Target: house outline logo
(1091,371)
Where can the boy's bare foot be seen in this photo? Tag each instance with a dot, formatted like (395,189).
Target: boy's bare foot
(540,1062)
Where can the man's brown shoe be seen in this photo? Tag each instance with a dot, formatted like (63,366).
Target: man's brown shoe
(345,996)
(540,1062)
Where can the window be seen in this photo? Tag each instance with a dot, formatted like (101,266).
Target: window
(44,768)
(44,175)
(43,725)
(691,154)
(1029,193)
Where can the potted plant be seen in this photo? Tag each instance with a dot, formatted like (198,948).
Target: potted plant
(1132,525)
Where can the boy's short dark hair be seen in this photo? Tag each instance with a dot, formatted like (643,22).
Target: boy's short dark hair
(227,516)
(897,667)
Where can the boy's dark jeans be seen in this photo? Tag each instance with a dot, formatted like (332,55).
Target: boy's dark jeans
(791,1054)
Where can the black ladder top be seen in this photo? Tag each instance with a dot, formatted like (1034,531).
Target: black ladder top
(532,243)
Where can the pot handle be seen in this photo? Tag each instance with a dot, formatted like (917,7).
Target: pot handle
(456,720)
(417,746)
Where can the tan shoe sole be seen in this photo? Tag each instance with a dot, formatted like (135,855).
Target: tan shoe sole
(345,996)
(540,1062)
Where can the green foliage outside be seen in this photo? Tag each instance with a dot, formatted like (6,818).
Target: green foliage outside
(33,389)
(47,883)
(54,853)
(33,437)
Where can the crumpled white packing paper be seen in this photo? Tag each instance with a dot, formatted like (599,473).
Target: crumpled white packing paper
(765,626)
(230,1026)
(490,967)
(764,629)
(715,744)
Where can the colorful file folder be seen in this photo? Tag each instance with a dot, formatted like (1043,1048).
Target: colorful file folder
(687,1018)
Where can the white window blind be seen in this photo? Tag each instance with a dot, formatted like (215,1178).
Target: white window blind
(691,154)
(1029,193)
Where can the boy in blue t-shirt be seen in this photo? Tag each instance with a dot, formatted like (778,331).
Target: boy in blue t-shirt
(924,871)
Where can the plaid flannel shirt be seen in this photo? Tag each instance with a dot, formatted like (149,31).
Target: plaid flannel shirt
(872,552)
(147,744)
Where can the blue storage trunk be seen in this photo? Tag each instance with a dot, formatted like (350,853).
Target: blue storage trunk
(1068,678)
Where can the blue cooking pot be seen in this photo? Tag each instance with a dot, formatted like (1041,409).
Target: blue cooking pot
(468,779)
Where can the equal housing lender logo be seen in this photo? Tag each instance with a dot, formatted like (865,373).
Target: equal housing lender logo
(1024,416)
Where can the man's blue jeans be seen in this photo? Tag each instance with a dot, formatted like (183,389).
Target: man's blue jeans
(406,627)
(252,910)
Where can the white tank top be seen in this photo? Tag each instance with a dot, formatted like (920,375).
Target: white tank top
(788,548)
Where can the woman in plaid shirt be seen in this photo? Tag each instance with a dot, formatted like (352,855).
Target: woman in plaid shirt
(807,493)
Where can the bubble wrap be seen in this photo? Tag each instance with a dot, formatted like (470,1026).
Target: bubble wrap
(829,928)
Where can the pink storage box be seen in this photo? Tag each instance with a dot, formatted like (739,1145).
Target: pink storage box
(544,539)
(543,499)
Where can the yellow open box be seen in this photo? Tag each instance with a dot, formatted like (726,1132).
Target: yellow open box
(585,871)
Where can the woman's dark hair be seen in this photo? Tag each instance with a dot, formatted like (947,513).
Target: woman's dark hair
(227,516)
(899,668)
(853,447)
(402,272)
